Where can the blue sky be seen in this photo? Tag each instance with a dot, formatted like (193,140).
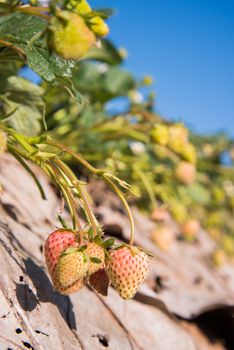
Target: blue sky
(188,47)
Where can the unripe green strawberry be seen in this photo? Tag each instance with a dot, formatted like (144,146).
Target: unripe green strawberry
(160,134)
(96,257)
(127,270)
(56,242)
(3,142)
(98,26)
(148,80)
(219,258)
(189,153)
(83,7)
(185,172)
(179,212)
(218,194)
(161,152)
(71,267)
(176,145)
(228,245)
(69,36)
(99,281)
(214,219)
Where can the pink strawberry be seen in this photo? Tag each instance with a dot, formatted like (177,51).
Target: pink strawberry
(99,281)
(96,256)
(56,242)
(127,270)
(71,267)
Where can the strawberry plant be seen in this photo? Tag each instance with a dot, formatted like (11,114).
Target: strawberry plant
(50,40)
(71,125)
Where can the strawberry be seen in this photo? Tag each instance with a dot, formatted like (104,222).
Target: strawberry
(160,134)
(75,287)
(127,270)
(189,153)
(99,281)
(163,237)
(98,26)
(160,214)
(56,242)
(69,36)
(185,172)
(71,267)
(190,229)
(97,257)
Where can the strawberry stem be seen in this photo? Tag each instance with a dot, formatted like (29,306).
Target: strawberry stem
(74,181)
(123,200)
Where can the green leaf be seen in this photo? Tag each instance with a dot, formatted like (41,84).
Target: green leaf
(107,53)
(28,169)
(22,101)
(47,65)
(19,28)
(103,85)
(63,222)
(195,192)
(83,248)
(102,12)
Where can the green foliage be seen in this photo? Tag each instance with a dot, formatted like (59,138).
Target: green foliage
(22,104)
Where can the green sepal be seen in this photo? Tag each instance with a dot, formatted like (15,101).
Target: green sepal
(63,222)
(108,243)
(97,239)
(95,260)
(69,250)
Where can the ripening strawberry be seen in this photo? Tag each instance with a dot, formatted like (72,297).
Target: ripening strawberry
(127,270)
(99,281)
(164,237)
(71,267)
(185,172)
(190,229)
(96,257)
(75,287)
(56,242)
(69,36)
(178,132)
(160,214)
